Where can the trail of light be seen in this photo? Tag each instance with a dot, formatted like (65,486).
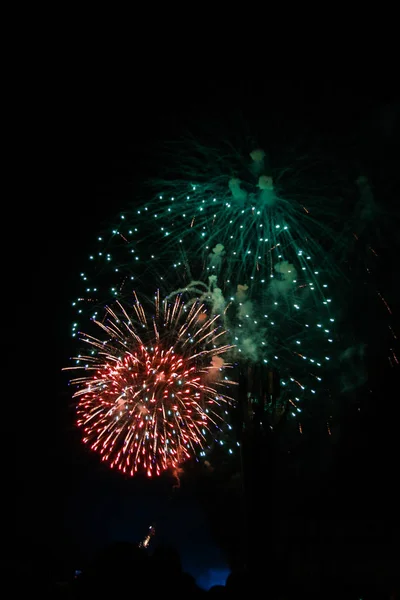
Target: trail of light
(385,303)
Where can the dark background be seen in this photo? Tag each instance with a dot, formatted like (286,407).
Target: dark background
(100,144)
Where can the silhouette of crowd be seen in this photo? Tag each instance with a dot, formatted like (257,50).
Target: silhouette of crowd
(124,570)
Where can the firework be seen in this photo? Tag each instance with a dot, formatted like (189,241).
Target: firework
(153,388)
(245,251)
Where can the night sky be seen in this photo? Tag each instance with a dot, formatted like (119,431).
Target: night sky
(67,503)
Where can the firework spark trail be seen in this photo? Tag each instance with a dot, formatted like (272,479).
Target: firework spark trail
(249,217)
(147,401)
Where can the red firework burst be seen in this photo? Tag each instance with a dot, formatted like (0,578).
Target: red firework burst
(150,394)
